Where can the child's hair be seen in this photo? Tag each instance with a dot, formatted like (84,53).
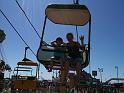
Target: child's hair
(59,39)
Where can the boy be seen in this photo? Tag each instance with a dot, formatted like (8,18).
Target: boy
(59,51)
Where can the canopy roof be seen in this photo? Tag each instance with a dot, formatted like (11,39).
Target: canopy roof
(68,14)
(27,63)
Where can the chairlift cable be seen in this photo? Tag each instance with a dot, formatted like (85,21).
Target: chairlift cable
(27,18)
(16,31)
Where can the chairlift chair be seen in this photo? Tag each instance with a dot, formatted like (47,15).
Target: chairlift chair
(64,14)
(24,81)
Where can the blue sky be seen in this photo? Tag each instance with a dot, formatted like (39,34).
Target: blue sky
(106,40)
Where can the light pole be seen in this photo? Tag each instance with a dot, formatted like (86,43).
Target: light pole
(116,67)
(100,71)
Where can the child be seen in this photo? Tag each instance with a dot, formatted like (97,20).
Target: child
(59,51)
(58,48)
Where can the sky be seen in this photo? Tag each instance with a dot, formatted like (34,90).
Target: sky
(107,36)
